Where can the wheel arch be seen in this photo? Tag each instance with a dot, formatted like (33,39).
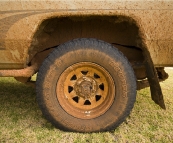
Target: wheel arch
(48,36)
(116,29)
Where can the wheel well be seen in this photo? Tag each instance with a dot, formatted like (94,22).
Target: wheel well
(118,30)
(122,31)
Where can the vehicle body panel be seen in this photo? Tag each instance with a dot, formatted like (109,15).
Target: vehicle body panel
(19,21)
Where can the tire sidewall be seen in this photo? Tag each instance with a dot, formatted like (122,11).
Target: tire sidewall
(112,61)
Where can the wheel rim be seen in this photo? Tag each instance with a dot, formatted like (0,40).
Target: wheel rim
(85,90)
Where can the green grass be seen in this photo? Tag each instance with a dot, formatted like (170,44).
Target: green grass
(21,119)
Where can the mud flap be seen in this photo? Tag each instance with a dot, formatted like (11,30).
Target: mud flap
(156,91)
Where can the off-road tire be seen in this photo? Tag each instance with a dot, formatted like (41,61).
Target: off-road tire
(118,78)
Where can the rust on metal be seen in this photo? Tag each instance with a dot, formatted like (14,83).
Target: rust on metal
(26,72)
(88,90)
(29,70)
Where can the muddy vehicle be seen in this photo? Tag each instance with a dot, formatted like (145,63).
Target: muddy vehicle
(90,56)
